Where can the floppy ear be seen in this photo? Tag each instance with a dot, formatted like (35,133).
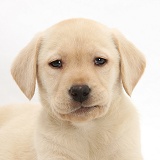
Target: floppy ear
(132,62)
(24,67)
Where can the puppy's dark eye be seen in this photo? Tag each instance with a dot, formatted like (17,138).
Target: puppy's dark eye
(56,64)
(100,61)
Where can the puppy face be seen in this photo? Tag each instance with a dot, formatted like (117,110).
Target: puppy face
(71,58)
(79,65)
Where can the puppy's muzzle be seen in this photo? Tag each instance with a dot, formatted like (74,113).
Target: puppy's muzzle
(79,93)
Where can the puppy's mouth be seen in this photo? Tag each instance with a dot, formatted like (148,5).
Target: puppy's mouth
(82,113)
(83,110)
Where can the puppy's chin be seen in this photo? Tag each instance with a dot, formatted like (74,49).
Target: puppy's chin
(84,114)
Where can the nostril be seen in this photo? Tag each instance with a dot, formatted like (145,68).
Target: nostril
(79,93)
(86,91)
(85,94)
(73,93)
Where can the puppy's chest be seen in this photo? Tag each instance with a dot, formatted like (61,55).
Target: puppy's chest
(87,145)
(98,149)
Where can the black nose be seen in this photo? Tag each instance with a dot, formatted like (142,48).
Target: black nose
(79,93)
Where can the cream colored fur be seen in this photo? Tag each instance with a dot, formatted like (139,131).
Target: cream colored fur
(54,131)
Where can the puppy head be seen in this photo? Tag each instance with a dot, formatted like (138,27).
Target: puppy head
(79,65)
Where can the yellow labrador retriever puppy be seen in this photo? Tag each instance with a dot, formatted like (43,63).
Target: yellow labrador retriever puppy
(85,73)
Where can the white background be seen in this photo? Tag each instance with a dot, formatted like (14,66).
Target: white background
(138,20)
